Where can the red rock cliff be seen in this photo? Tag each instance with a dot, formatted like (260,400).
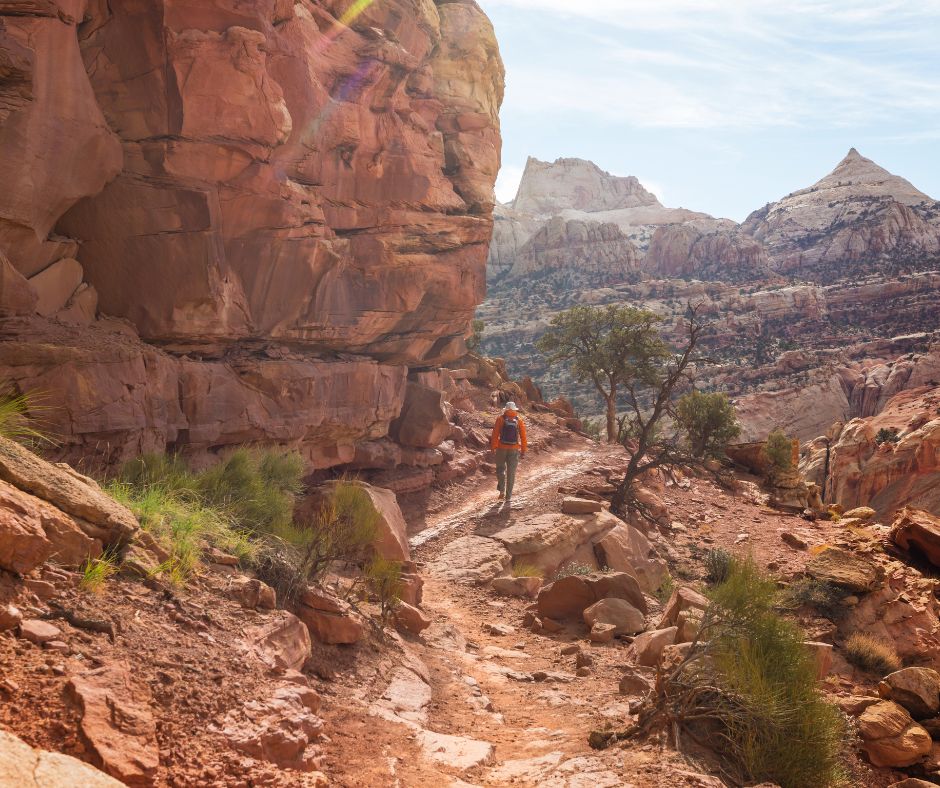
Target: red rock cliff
(289,202)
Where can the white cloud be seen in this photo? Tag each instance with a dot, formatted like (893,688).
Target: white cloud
(507,182)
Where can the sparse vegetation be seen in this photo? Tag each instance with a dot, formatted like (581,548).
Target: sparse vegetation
(779,452)
(708,422)
(573,569)
(97,571)
(18,416)
(886,435)
(527,570)
(665,589)
(871,654)
(476,336)
(384,578)
(717,565)
(746,689)
(825,598)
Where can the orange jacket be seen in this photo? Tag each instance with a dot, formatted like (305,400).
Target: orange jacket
(496,443)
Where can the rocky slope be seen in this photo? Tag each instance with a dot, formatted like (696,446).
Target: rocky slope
(286,204)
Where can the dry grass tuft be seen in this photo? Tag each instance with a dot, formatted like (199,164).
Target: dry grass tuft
(869,653)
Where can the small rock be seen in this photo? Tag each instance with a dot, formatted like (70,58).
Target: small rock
(580,506)
(583,672)
(602,633)
(39,632)
(860,513)
(619,613)
(59,646)
(410,618)
(634,683)
(9,686)
(550,625)
(571,648)
(42,589)
(10,617)
(583,660)
(524,587)
(793,540)
(500,630)
(649,646)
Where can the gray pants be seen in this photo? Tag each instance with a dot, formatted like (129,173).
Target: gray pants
(507,460)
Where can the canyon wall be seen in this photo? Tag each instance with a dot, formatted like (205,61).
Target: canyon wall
(240,221)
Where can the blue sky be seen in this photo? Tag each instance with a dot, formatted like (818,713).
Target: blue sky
(721,105)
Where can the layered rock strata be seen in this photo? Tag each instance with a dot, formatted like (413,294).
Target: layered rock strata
(289,203)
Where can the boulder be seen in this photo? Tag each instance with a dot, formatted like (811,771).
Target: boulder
(859,513)
(625,549)
(822,657)
(282,641)
(525,587)
(912,782)
(23,767)
(549,541)
(252,594)
(16,295)
(330,620)
(626,619)
(683,599)
(391,540)
(98,515)
(847,570)
(423,422)
(914,529)
(916,689)
(117,725)
(410,619)
(890,737)
(571,505)
(475,560)
(569,596)
(412,586)
(648,646)
(55,284)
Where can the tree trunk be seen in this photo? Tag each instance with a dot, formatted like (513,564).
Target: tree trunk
(612,419)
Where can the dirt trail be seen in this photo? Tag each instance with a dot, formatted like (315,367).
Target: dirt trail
(509,728)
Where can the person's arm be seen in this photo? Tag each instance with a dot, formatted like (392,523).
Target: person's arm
(494,439)
(522,437)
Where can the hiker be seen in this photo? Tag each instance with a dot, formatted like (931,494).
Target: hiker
(509,443)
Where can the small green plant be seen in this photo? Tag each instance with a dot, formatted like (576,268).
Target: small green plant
(886,435)
(779,452)
(708,422)
(573,569)
(717,565)
(825,598)
(527,570)
(665,589)
(384,578)
(473,341)
(97,571)
(871,654)
(18,416)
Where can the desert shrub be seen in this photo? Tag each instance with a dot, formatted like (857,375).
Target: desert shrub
(871,654)
(20,416)
(97,571)
(885,435)
(476,336)
(665,589)
(779,452)
(717,565)
(825,598)
(747,690)
(527,570)
(708,422)
(573,568)
(384,578)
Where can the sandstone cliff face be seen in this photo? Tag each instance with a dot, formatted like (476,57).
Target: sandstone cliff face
(267,187)
(702,250)
(858,219)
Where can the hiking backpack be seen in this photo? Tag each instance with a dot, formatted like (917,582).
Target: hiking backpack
(509,434)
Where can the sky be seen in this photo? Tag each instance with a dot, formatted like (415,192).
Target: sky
(720,105)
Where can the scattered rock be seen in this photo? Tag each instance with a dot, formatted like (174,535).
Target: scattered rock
(573,648)
(410,619)
(330,620)
(649,646)
(500,630)
(916,689)
(525,587)
(583,672)
(793,540)
(845,569)
(633,682)
(23,767)
(625,618)
(117,725)
(569,596)
(39,632)
(252,594)
(580,506)
(281,642)
(890,737)
(602,633)
(10,617)
(860,513)
(683,599)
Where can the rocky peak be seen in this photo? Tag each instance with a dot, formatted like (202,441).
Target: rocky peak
(857,175)
(551,187)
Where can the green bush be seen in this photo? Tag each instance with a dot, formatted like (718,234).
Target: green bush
(384,578)
(747,691)
(887,436)
(717,565)
(779,452)
(708,422)
(97,571)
